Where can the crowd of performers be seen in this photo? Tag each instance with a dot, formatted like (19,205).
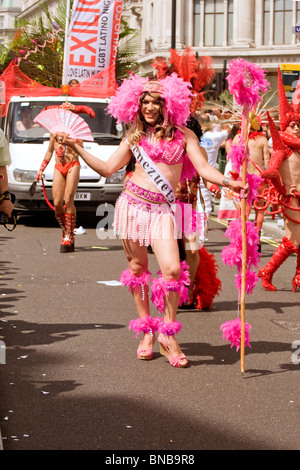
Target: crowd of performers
(162,136)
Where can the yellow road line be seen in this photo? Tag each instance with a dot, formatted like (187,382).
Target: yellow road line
(224,222)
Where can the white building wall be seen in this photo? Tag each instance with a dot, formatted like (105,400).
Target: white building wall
(32,8)
(247,40)
(9,9)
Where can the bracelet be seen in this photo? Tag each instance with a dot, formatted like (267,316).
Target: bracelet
(5,196)
(214,188)
(44,164)
(226,181)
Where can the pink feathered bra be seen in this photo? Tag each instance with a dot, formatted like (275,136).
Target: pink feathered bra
(170,152)
(142,215)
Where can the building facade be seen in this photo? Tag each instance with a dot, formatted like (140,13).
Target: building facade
(9,9)
(260,31)
(32,8)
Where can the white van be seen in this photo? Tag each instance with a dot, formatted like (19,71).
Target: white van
(28,148)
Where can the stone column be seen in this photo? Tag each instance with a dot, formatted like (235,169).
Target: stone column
(244,23)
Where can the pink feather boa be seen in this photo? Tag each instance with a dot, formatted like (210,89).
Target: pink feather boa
(237,156)
(254,182)
(246,82)
(161,287)
(232,254)
(232,332)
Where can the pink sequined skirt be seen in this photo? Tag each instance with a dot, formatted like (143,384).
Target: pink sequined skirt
(142,221)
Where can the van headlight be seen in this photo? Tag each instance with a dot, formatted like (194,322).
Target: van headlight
(24,176)
(116,178)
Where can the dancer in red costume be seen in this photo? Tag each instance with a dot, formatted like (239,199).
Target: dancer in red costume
(165,150)
(284,173)
(65,181)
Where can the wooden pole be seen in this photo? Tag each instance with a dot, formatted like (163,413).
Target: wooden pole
(244,246)
(64,77)
(173,28)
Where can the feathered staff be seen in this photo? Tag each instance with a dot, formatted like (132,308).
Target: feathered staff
(246,83)
(196,70)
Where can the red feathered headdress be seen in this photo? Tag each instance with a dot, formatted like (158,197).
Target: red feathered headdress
(288,112)
(198,71)
(279,154)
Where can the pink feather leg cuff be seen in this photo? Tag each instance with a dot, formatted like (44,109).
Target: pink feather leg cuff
(161,287)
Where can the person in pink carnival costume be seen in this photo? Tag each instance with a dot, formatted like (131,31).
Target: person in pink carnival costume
(65,179)
(283,172)
(204,284)
(156,111)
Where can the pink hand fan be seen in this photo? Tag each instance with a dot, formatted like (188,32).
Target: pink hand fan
(62,120)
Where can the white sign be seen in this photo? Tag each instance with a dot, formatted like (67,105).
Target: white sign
(93,38)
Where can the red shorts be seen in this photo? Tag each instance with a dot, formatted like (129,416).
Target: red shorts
(64,169)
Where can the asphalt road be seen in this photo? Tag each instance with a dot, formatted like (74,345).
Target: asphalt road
(72,380)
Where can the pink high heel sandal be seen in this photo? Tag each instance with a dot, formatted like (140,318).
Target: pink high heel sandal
(170,329)
(145,325)
(146,354)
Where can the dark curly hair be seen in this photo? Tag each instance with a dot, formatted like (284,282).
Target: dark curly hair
(195,126)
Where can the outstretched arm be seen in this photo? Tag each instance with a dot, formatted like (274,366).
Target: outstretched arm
(204,169)
(116,161)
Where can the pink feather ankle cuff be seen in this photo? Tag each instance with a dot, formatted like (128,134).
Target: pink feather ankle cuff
(170,328)
(144,325)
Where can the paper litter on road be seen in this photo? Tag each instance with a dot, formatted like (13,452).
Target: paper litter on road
(110,283)
(79,231)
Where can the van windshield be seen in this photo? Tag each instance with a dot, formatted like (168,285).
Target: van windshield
(24,129)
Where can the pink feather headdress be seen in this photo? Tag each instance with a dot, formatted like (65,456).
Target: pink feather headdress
(124,106)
